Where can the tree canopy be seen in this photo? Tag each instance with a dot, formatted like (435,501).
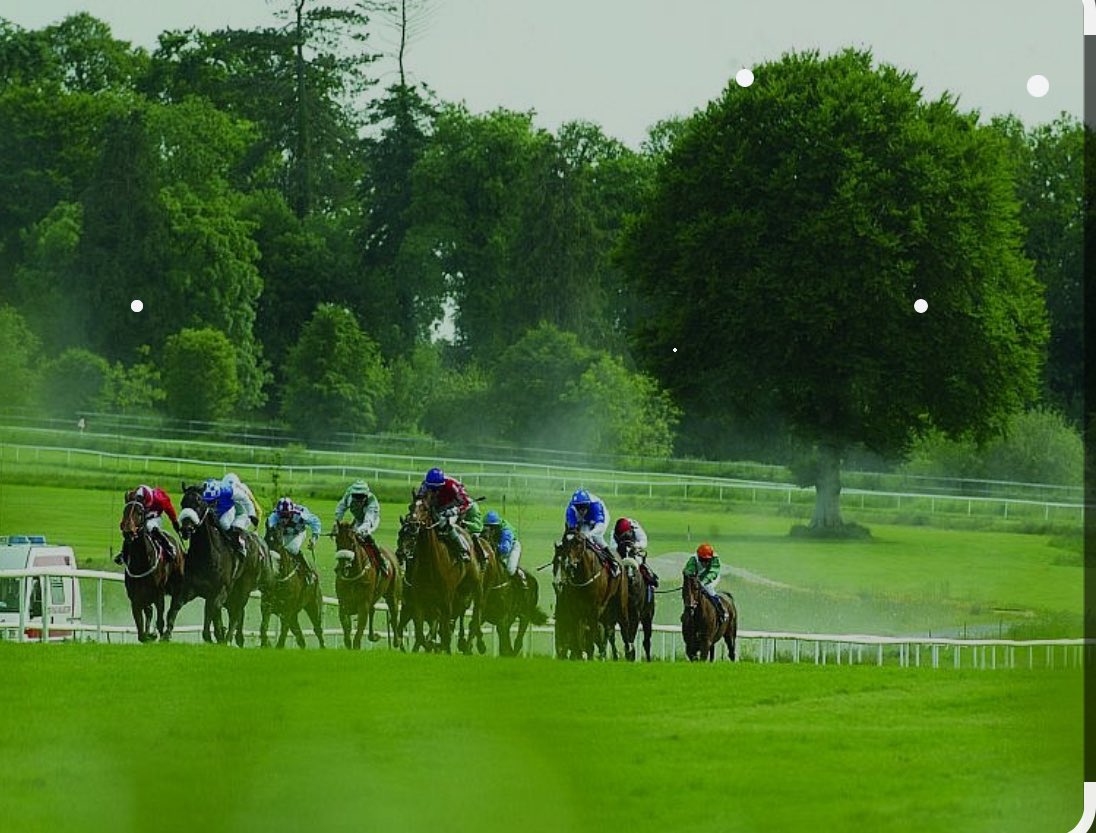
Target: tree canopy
(794,224)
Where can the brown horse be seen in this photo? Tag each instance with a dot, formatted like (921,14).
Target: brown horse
(699,626)
(507,598)
(589,604)
(148,574)
(359,586)
(285,592)
(439,586)
(641,599)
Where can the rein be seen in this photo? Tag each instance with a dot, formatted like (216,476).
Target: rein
(149,571)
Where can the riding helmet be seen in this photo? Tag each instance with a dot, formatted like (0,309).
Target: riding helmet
(580,497)
(492,518)
(435,478)
(211,491)
(705,552)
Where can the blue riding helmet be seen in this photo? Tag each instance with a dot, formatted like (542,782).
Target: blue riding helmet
(284,506)
(581,498)
(435,478)
(492,518)
(211,490)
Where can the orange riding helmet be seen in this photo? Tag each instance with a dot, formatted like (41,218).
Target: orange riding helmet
(705,552)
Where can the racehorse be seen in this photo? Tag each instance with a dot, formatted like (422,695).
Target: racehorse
(359,585)
(212,571)
(439,586)
(699,626)
(507,598)
(148,574)
(589,604)
(641,600)
(285,592)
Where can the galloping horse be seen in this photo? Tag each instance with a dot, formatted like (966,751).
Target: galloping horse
(641,602)
(359,585)
(285,593)
(589,604)
(440,587)
(506,599)
(699,626)
(148,574)
(212,571)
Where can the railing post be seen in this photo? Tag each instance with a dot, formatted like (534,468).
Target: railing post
(99,609)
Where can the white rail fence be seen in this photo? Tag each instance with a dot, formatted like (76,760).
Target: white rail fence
(542,478)
(666,645)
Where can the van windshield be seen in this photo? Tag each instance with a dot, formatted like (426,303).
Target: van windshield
(9,595)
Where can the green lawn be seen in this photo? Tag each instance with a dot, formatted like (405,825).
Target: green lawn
(182,737)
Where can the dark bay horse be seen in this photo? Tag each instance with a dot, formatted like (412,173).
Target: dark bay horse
(641,601)
(359,586)
(507,598)
(699,626)
(285,593)
(439,587)
(589,604)
(212,571)
(148,573)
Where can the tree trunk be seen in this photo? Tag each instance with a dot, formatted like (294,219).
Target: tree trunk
(827,486)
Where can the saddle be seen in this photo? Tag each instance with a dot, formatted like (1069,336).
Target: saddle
(373,552)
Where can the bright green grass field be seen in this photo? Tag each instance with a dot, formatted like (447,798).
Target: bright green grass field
(194,738)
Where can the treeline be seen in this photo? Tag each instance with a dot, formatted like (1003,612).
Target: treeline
(295,248)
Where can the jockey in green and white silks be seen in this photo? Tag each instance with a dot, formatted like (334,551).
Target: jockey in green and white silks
(292,523)
(363,507)
(705,566)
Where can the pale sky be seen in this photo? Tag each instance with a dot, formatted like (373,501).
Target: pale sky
(627,63)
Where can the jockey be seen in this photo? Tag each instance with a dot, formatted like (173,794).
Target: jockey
(507,546)
(365,510)
(235,508)
(629,535)
(292,522)
(449,501)
(586,513)
(705,566)
(630,539)
(363,506)
(156,502)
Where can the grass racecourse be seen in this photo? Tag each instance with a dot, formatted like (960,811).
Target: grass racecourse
(203,738)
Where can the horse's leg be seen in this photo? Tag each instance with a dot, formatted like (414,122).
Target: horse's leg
(363,618)
(314,609)
(344,620)
(506,647)
(392,599)
(295,626)
(264,622)
(159,603)
(138,611)
(373,636)
(647,628)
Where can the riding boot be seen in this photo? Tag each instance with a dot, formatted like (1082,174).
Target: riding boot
(165,545)
(456,541)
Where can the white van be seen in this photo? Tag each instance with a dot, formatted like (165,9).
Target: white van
(21,597)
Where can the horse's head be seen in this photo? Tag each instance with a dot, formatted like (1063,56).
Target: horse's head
(133,516)
(690,592)
(194,510)
(405,540)
(574,556)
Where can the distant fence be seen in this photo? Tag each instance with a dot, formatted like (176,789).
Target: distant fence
(546,479)
(756,646)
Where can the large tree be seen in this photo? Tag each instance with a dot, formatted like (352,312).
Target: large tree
(794,224)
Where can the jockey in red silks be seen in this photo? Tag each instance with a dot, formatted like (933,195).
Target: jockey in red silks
(449,501)
(155,502)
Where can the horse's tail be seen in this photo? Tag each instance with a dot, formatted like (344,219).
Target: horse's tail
(538,616)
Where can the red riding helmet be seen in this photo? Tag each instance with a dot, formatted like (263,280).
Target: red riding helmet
(623,526)
(705,552)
